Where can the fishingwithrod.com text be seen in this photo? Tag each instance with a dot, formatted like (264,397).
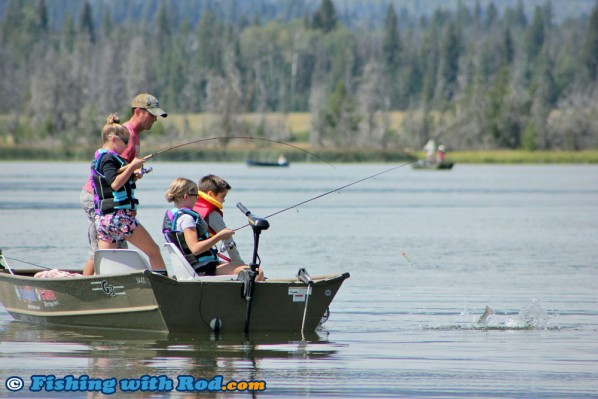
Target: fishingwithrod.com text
(145,383)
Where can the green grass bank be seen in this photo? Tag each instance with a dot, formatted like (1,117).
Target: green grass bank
(240,154)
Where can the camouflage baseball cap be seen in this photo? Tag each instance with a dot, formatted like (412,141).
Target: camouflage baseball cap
(149,103)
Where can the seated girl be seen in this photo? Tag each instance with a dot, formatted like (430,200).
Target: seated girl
(189,232)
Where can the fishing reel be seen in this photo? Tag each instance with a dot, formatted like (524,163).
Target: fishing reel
(142,171)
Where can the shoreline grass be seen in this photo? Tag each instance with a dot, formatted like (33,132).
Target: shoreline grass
(297,124)
(242,153)
(524,157)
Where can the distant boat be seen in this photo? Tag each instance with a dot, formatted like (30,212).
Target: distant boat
(271,164)
(446,165)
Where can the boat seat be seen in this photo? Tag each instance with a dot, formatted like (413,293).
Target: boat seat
(180,269)
(119,261)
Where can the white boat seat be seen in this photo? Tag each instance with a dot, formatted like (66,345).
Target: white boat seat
(180,269)
(118,261)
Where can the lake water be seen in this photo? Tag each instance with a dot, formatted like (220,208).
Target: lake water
(427,253)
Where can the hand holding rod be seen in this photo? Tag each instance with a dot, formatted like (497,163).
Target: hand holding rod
(143,170)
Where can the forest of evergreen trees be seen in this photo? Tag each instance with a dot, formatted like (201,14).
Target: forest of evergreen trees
(473,76)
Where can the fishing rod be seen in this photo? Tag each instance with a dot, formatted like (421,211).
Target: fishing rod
(28,263)
(148,157)
(339,189)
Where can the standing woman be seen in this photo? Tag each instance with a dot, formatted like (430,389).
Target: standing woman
(113,181)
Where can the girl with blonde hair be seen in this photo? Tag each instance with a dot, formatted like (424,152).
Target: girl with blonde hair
(113,181)
(189,232)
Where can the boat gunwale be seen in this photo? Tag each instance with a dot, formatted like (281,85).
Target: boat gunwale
(285,280)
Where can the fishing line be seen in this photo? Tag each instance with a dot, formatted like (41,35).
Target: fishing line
(147,157)
(339,189)
(28,263)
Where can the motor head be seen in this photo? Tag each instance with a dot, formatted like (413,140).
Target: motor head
(254,221)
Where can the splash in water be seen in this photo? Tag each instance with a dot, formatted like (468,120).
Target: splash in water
(532,316)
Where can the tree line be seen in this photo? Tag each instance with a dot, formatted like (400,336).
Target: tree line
(474,77)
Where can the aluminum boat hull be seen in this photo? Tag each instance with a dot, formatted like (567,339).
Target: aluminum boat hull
(145,300)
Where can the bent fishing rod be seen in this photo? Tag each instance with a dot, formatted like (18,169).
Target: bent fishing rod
(338,189)
(150,156)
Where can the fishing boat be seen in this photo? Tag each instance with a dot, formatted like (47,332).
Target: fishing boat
(251,162)
(125,294)
(146,300)
(281,162)
(444,165)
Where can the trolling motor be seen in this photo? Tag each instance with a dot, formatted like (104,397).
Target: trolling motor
(248,276)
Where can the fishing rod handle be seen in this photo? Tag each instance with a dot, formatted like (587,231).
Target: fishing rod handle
(243,209)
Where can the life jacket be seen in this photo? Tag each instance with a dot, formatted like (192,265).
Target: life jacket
(106,200)
(177,237)
(206,205)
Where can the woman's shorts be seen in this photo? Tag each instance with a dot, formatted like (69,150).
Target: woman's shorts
(115,227)
(208,269)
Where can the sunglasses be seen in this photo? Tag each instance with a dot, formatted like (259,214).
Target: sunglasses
(124,139)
